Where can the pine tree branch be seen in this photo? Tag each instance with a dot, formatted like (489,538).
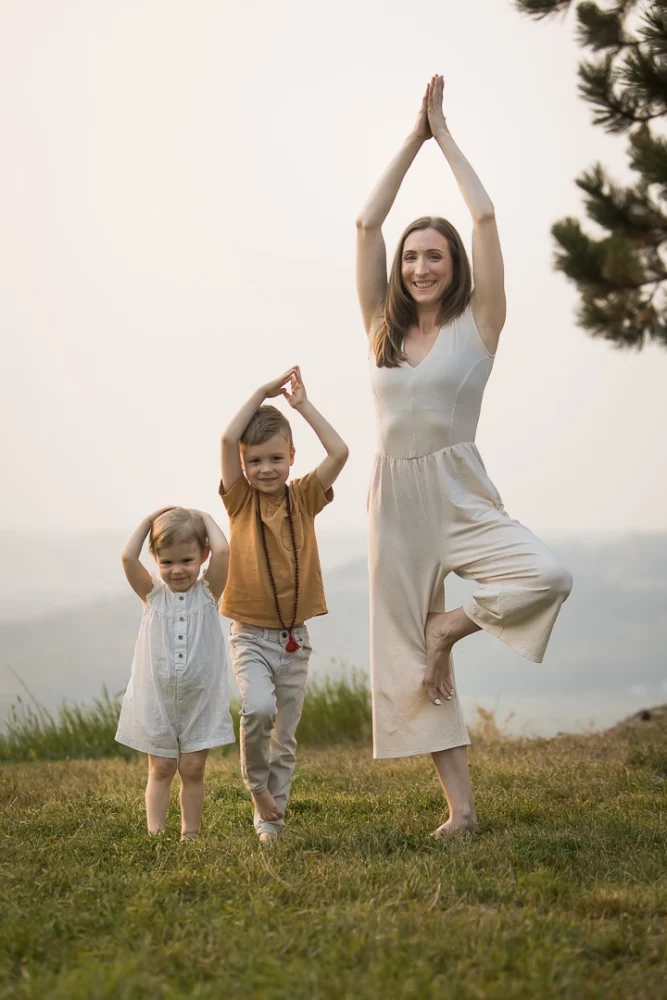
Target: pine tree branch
(653,29)
(648,157)
(626,210)
(621,277)
(627,321)
(645,81)
(600,29)
(539,9)
(618,285)
(617,110)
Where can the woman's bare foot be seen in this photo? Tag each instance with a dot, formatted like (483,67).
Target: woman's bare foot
(439,641)
(189,835)
(265,804)
(451,828)
(441,632)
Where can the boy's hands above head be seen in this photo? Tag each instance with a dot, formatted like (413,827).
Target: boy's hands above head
(336,449)
(277,386)
(230,457)
(297,396)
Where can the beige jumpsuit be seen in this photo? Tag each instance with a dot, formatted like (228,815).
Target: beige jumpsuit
(434,510)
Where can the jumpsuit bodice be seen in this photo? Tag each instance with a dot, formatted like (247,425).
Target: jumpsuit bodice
(436,404)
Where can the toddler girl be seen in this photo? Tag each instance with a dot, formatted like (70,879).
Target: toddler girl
(176,705)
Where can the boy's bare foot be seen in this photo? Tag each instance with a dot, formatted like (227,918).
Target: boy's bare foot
(451,828)
(265,804)
(268,839)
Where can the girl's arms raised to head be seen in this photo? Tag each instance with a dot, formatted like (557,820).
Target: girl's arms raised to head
(488,300)
(137,575)
(216,571)
(371,251)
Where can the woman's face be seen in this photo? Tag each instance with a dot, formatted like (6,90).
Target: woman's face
(426,266)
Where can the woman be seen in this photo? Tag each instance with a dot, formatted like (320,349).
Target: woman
(432,507)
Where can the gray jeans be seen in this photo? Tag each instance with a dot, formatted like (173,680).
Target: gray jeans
(272,683)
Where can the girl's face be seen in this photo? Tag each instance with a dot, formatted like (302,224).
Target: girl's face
(426,266)
(179,564)
(267,465)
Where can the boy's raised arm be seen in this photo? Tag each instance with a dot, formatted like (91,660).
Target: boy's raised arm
(230,458)
(137,575)
(336,449)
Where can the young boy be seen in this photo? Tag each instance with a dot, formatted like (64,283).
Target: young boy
(274,583)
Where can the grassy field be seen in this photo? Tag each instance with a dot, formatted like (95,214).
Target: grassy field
(562,894)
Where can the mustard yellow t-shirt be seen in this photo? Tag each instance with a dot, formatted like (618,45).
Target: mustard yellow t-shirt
(248,596)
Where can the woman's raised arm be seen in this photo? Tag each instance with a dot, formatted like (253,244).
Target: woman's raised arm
(371,251)
(488,300)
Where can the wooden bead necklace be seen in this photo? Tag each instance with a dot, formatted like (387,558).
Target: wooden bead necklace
(291,645)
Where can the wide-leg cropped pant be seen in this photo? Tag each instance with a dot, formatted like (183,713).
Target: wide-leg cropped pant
(431,516)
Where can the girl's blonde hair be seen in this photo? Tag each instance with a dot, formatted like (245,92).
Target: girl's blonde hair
(400,309)
(175,526)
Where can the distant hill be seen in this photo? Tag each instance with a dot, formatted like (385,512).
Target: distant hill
(606,659)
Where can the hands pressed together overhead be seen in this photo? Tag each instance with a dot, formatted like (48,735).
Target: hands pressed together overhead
(296,395)
(431,117)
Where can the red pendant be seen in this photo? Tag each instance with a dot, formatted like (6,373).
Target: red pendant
(291,645)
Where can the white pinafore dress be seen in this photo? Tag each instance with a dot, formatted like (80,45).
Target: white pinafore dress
(433,510)
(177,701)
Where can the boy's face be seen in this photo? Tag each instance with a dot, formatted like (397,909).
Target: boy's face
(267,465)
(179,564)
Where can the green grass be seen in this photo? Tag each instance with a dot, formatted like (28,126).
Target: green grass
(83,731)
(562,894)
(335,711)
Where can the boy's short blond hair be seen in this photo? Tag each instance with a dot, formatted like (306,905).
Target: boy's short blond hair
(263,424)
(175,526)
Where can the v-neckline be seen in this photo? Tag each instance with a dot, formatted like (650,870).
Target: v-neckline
(423,361)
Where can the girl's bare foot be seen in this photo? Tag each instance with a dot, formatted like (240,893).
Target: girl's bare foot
(189,835)
(265,804)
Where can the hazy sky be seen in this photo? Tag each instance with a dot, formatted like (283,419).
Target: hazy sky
(178,189)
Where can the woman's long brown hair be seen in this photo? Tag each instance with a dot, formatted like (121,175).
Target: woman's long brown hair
(400,309)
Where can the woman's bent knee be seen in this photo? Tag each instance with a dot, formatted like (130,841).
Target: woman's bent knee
(557,579)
